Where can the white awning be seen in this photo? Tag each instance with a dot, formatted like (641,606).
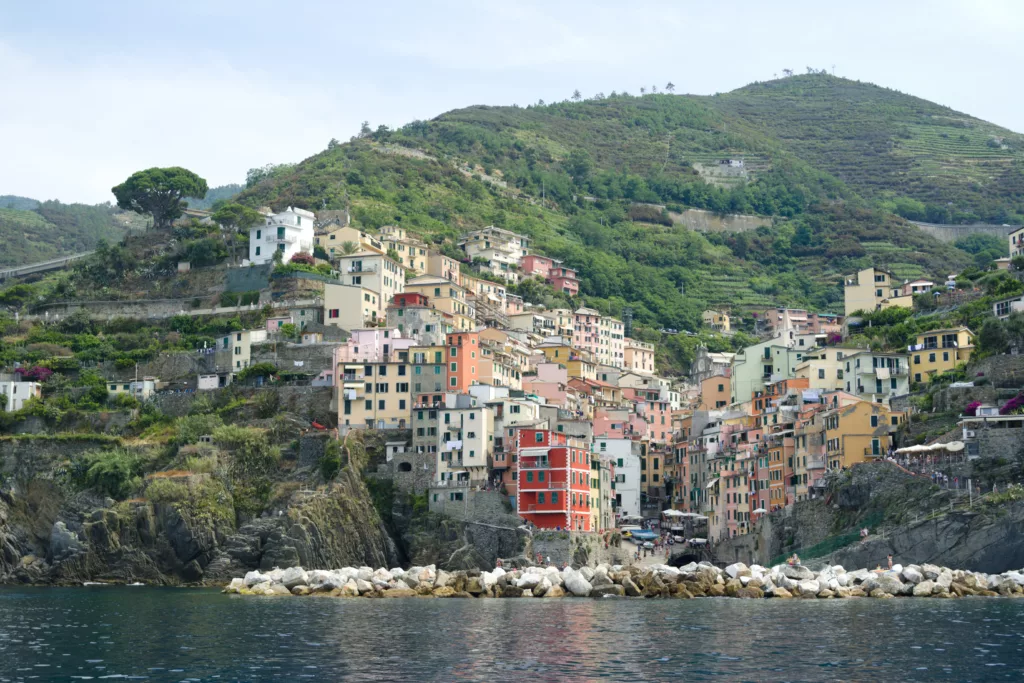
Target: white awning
(711,483)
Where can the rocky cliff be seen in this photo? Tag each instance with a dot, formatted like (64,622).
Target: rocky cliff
(54,533)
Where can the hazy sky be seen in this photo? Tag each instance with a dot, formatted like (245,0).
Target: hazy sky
(92,91)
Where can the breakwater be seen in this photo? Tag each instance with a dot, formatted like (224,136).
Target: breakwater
(657,581)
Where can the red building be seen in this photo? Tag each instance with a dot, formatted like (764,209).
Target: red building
(409,299)
(552,271)
(553,482)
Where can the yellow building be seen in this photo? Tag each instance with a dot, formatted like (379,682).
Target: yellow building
(858,432)
(350,307)
(445,295)
(374,395)
(375,272)
(717,320)
(332,241)
(412,252)
(576,364)
(824,368)
(937,351)
(871,290)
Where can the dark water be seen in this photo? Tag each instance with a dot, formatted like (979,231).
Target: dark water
(194,635)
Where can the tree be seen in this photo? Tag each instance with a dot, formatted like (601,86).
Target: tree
(576,96)
(643,90)
(234,218)
(670,87)
(787,72)
(992,338)
(159,192)
(579,165)
(654,88)
(364,130)
(278,257)
(349,247)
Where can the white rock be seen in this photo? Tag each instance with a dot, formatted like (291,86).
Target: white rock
(347,573)
(253,578)
(382,575)
(857,576)
(364,574)
(993,581)
(785,582)
(294,576)
(737,569)
(897,568)
(944,579)
(923,589)
(809,587)
(577,584)
(316,578)
(488,579)
(833,584)
(530,580)
(689,568)
(542,587)
(838,569)
(931,571)
(235,586)
(744,580)
(1016,577)
(397,572)
(587,573)
(912,575)
(364,586)
(443,578)
(528,593)
(843,580)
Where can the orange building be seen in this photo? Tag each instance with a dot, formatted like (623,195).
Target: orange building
(553,484)
(464,358)
(715,392)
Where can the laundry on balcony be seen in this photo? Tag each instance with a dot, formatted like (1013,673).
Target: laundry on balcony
(453,445)
(882,373)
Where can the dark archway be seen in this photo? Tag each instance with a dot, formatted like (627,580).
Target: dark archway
(404,467)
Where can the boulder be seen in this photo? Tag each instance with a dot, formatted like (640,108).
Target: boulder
(825,593)
(809,587)
(294,576)
(428,575)
(778,592)
(350,589)
(787,583)
(737,570)
(489,579)
(843,592)
(443,592)
(529,580)
(474,585)
(930,571)
(716,591)
(301,590)
(278,589)
(897,568)
(923,589)
(364,574)
(600,580)
(798,573)
(424,589)
(857,576)
(630,588)
(554,592)
(542,588)
(944,579)
(364,586)
(235,586)
(382,575)
(511,591)
(399,593)
(587,573)
(912,574)
(443,578)
(608,589)
(857,592)
(749,592)
(253,578)
(577,584)
(689,568)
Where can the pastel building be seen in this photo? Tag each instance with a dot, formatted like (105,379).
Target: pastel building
(553,486)
(289,232)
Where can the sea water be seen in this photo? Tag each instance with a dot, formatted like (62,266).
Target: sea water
(137,633)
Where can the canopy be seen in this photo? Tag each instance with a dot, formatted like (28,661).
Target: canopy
(760,511)
(955,446)
(673,513)
(711,483)
(698,541)
(699,517)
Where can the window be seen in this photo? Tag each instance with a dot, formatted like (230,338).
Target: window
(257,251)
(453,352)
(529,476)
(380,404)
(401,371)
(540,498)
(259,234)
(454,367)
(333,313)
(368,388)
(540,476)
(821,373)
(874,420)
(931,357)
(358,280)
(539,437)
(368,405)
(554,498)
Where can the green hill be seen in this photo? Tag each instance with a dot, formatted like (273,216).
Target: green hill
(52,229)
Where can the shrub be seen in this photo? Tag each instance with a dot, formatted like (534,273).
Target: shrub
(267,404)
(303,257)
(330,463)
(258,370)
(189,429)
(251,452)
(125,401)
(166,491)
(972,408)
(114,472)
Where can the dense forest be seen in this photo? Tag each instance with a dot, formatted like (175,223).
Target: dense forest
(33,231)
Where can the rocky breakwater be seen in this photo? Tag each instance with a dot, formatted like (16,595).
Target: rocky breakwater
(658,581)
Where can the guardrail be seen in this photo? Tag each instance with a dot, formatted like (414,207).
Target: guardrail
(43,266)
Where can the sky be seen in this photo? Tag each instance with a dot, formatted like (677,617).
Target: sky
(92,91)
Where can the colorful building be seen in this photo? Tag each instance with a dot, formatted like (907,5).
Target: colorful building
(938,351)
(553,487)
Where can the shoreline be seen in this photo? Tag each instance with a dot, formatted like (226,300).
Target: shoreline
(656,581)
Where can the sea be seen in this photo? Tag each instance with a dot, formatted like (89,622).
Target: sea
(161,634)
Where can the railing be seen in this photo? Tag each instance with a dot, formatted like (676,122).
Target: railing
(816,463)
(290,239)
(534,461)
(542,485)
(870,452)
(362,269)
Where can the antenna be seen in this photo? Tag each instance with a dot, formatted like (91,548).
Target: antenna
(833,69)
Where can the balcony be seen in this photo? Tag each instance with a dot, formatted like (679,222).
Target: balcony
(525,486)
(534,462)
(538,509)
(286,238)
(816,463)
(361,269)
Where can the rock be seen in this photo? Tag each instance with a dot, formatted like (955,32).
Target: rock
(601,580)
(809,587)
(443,592)
(944,578)
(689,568)
(542,588)
(554,592)
(294,576)
(733,585)
(825,593)
(527,593)
(474,586)
(931,571)
(424,589)
(798,573)
(890,583)
(443,578)
(587,573)
(843,592)
(399,593)
(529,580)
(923,589)
(857,592)
(737,570)
(787,583)
(301,590)
(607,589)
(350,589)
(364,574)
(235,586)
(364,586)
(254,578)
(749,592)
(857,576)
(897,569)
(717,591)
(382,575)
(778,592)
(577,584)
(511,591)
(278,589)
(912,574)
(939,589)
(631,588)
(843,580)
(879,593)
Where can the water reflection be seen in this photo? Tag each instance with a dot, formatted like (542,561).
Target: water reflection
(174,635)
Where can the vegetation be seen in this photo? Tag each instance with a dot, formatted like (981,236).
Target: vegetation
(159,192)
(34,231)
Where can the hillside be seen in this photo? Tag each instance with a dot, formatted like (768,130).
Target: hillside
(576,178)
(51,229)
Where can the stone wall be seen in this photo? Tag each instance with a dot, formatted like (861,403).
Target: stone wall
(312,447)
(315,358)
(489,507)
(576,548)
(707,221)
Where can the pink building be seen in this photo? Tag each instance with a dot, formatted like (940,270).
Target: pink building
(375,345)
(513,304)
(551,271)
(611,424)
(550,383)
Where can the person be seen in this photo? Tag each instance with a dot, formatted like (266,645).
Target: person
(890,561)
(549,560)
(499,562)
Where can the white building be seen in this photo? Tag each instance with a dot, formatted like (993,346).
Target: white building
(465,437)
(375,272)
(16,393)
(289,232)
(501,249)
(625,455)
(142,389)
